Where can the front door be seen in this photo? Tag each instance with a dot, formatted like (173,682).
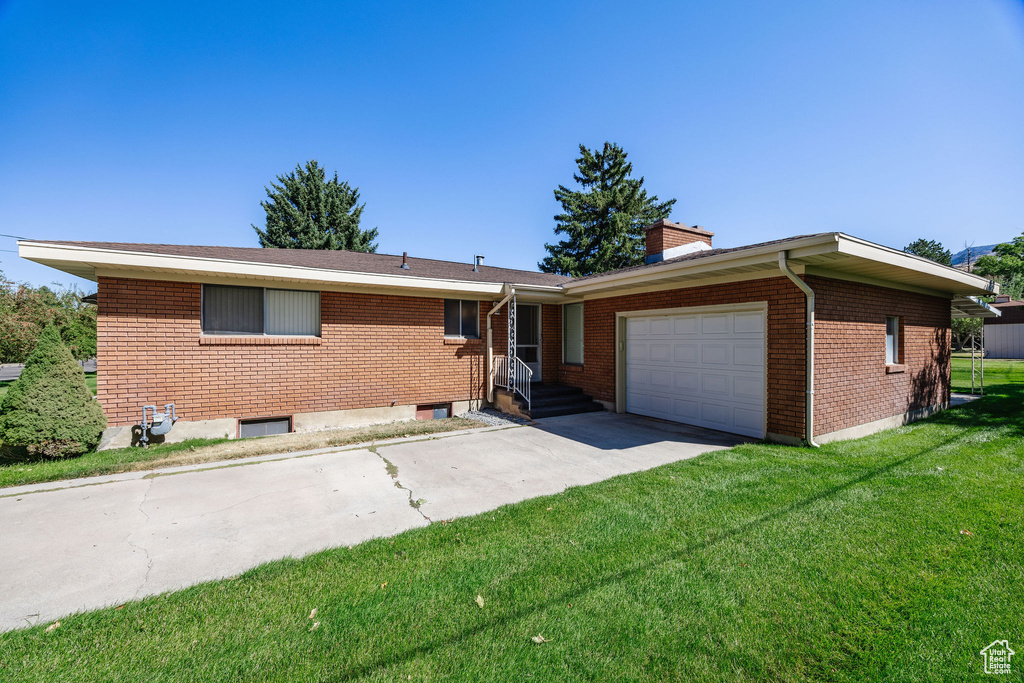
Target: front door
(528,337)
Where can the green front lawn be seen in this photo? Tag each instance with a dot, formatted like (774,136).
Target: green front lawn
(895,557)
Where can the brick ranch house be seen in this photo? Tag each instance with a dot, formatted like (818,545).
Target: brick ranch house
(251,341)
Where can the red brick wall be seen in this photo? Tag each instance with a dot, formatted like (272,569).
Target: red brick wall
(785,341)
(852,386)
(851,383)
(551,340)
(374,350)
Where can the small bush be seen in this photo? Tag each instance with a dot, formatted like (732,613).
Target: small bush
(49,411)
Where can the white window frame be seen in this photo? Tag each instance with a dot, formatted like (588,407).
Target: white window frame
(202,313)
(892,341)
(476,318)
(582,334)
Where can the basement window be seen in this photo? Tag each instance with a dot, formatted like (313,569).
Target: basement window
(264,427)
(462,318)
(260,311)
(433,411)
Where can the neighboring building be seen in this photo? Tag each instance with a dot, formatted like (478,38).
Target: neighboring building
(259,340)
(1004,335)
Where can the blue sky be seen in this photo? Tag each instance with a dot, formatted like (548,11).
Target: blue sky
(162,122)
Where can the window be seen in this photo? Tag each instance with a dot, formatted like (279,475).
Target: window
(892,340)
(264,427)
(461,318)
(572,334)
(257,310)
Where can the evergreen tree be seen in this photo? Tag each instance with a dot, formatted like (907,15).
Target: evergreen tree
(604,221)
(307,211)
(49,410)
(930,249)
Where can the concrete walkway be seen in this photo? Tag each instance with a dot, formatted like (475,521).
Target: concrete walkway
(102,544)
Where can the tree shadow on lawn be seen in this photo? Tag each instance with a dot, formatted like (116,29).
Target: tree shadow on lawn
(1002,408)
(576,594)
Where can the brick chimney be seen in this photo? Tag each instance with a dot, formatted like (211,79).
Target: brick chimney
(666,240)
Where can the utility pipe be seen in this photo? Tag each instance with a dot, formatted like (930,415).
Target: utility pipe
(809,294)
(510,292)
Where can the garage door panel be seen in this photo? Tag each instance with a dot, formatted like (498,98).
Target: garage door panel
(750,421)
(685,325)
(637,378)
(660,404)
(685,410)
(716,415)
(661,327)
(715,384)
(703,369)
(748,323)
(637,326)
(685,353)
(716,354)
(715,324)
(748,387)
(686,381)
(749,355)
(660,353)
(660,381)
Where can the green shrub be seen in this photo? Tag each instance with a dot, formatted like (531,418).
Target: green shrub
(49,410)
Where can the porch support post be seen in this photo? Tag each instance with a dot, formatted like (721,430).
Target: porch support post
(489,369)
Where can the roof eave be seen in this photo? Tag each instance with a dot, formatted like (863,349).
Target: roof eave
(85,262)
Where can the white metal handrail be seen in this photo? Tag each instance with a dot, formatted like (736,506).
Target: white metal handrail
(515,377)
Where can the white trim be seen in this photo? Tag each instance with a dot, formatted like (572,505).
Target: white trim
(798,248)
(158,266)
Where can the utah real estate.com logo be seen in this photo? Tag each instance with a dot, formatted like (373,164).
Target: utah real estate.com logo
(997,657)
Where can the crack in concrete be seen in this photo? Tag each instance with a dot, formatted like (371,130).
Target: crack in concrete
(149,559)
(392,470)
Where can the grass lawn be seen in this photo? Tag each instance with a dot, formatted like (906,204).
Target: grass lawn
(997,372)
(15,472)
(895,557)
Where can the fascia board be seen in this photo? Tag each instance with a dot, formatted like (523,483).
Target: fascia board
(798,248)
(853,246)
(110,261)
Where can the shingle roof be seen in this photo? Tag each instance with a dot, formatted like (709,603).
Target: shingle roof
(350,261)
(695,256)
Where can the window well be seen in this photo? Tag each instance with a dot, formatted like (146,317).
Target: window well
(264,427)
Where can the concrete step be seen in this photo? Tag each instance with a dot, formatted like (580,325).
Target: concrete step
(574,408)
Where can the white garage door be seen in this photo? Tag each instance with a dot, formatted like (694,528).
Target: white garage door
(703,369)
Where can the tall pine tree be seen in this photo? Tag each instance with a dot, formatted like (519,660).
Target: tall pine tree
(604,222)
(307,211)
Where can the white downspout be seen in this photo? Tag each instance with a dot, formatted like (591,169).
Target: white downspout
(510,292)
(809,294)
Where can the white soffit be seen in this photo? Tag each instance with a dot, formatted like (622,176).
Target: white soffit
(828,254)
(971,307)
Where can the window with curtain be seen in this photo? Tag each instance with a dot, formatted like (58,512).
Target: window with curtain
(461,318)
(892,340)
(257,310)
(572,333)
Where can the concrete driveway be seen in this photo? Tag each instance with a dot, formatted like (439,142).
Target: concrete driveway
(102,544)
